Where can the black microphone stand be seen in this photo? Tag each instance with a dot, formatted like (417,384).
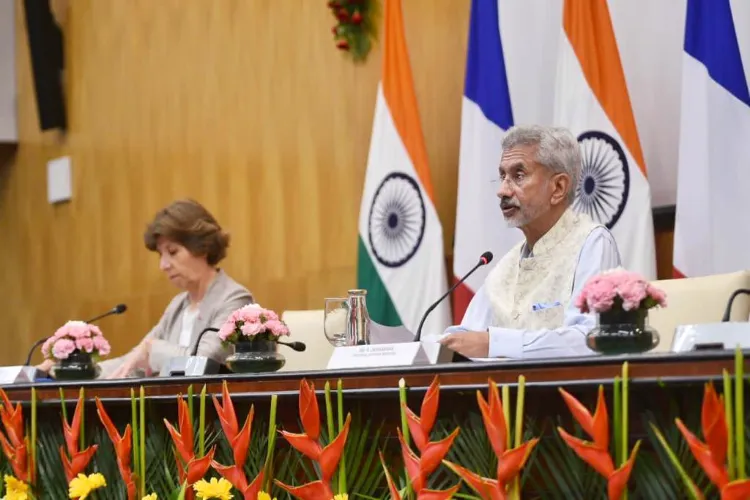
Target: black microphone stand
(479,264)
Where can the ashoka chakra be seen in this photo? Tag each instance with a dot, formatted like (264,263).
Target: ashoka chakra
(605,179)
(397,220)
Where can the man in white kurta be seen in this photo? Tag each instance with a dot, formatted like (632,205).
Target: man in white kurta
(525,308)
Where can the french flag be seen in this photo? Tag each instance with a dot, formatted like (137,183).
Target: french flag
(712,235)
(485,116)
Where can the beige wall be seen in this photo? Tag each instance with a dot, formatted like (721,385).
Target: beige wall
(245,105)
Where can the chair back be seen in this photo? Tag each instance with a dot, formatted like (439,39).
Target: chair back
(698,300)
(307,327)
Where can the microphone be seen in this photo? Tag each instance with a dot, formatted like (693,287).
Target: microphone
(297,346)
(730,302)
(485,259)
(118,309)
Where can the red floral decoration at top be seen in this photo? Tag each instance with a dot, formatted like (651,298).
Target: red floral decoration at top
(355,28)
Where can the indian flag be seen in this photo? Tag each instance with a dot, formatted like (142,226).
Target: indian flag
(400,256)
(591,99)
(713,180)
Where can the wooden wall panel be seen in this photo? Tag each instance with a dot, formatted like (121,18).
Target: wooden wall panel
(245,105)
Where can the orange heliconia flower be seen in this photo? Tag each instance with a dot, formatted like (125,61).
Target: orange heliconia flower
(14,442)
(123,445)
(509,461)
(308,444)
(189,467)
(596,453)
(239,440)
(78,460)
(418,468)
(712,454)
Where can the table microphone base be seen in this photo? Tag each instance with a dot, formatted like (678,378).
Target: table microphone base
(190,366)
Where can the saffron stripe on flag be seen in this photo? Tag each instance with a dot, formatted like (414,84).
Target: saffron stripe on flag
(398,89)
(604,75)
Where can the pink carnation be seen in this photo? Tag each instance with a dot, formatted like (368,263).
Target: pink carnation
(252,320)
(632,293)
(658,295)
(63,348)
(277,327)
(101,345)
(251,329)
(601,291)
(226,329)
(601,297)
(85,344)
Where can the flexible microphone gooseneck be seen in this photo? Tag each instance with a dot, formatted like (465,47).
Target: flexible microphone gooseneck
(118,309)
(297,346)
(730,302)
(200,336)
(485,259)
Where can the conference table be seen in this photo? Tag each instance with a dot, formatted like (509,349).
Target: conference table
(662,386)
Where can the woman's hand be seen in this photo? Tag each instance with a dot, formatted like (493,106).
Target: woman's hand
(45,366)
(138,359)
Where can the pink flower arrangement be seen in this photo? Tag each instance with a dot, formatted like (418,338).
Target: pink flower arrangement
(619,289)
(76,336)
(252,321)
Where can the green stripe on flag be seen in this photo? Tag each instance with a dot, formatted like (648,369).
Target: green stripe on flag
(379,303)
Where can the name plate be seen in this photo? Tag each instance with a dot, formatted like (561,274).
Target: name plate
(17,374)
(711,336)
(379,355)
(189,366)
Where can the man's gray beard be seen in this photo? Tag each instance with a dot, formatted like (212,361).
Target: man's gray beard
(513,222)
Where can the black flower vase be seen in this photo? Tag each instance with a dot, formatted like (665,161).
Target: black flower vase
(622,332)
(255,356)
(79,365)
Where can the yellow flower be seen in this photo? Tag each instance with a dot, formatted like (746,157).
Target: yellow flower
(152,496)
(262,495)
(342,496)
(15,489)
(81,486)
(221,489)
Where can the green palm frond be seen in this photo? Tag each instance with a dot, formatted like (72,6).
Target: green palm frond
(161,468)
(105,461)
(654,474)
(50,473)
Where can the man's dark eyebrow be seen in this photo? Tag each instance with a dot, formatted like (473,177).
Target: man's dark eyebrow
(519,165)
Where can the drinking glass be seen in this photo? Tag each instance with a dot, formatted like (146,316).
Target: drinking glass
(334,320)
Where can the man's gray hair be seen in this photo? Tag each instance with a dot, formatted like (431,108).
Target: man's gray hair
(557,150)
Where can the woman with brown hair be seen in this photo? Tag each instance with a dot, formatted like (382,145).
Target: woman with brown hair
(190,244)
